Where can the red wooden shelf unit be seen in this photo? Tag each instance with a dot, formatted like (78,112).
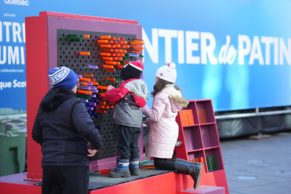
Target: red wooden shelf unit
(200,141)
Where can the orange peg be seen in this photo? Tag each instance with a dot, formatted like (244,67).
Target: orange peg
(84,53)
(83,79)
(86,36)
(124,46)
(88,75)
(107,66)
(84,92)
(105,46)
(105,37)
(102,87)
(112,62)
(116,46)
(136,41)
(107,58)
(117,58)
(95,83)
(123,42)
(102,41)
(119,54)
(103,54)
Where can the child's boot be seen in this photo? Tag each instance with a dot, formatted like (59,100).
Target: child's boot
(134,168)
(121,170)
(191,168)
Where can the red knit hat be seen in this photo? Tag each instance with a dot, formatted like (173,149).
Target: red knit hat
(137,65)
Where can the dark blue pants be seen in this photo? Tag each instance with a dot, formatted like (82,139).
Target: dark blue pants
(128,148)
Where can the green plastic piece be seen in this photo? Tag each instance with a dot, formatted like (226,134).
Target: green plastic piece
(74,38)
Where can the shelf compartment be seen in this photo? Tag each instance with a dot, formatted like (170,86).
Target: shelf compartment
(205,111)
(209,136)
(186,118)
(213,159)
(197,156)
(192,106)
(192,138)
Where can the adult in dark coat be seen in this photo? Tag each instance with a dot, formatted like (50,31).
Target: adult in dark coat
(64,129)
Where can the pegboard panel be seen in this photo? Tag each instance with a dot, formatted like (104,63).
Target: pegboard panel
(70,44)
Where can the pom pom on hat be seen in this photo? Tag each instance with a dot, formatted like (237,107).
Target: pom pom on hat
(62,77)
(167,72)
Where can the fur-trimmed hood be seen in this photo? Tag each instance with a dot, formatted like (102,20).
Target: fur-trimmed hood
(175,96)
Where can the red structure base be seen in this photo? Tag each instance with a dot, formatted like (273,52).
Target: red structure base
(169,183)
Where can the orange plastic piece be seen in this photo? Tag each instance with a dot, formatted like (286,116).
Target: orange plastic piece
(107,58)
(95,83)
(116,46)
(86,36)
(112,62)
(84,92)
(84,79)
(103,54)
(137,47)
(85,53)
(117,58)
(105,37)
(124,46)
(123,42)
(88,75)
(107,50)
(102,41)
(105,46)
(102,87)
(107,66)
(119,54)
(137,42)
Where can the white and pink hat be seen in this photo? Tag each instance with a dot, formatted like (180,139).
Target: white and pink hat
(167,72)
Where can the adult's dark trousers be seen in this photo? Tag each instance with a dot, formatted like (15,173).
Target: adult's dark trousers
(65,180)
(128,142)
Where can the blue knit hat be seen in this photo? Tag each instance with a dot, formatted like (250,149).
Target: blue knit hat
(62,77)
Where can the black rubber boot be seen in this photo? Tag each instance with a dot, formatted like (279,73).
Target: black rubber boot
(190,168)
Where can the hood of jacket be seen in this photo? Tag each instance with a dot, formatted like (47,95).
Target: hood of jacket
(55,97)
(175,96)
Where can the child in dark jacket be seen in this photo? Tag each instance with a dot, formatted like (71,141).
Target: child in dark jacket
(129,98)
(63,128)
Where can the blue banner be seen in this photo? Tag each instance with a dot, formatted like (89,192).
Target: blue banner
(238,53)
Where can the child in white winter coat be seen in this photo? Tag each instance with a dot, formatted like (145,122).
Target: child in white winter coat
(163,128)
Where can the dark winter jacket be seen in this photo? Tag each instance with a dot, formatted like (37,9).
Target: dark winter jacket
(63,127)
